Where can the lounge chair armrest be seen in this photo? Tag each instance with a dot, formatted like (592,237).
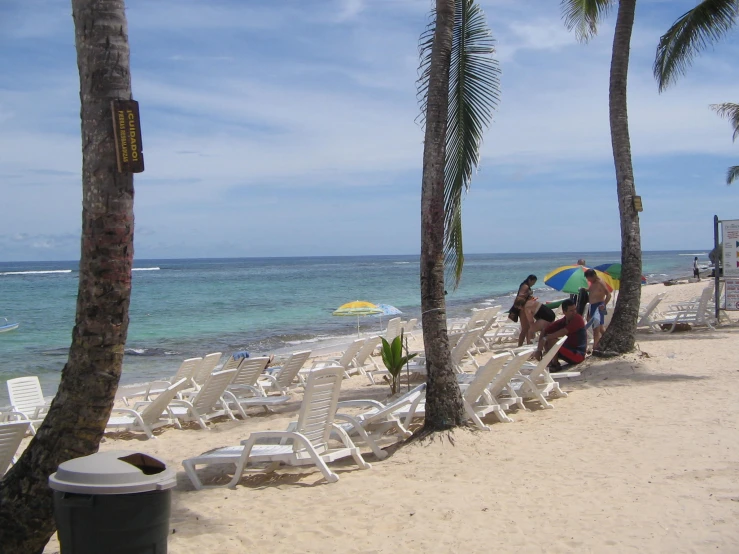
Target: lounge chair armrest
(7,414)
(177,402)
(360,403)
(271,378)
(257,391)
(283,436)
(129,411)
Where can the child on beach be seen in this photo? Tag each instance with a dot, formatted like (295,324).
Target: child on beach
(599,296)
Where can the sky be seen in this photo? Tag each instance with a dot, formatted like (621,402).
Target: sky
(289,128)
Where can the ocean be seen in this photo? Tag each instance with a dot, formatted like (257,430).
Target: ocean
(185,308)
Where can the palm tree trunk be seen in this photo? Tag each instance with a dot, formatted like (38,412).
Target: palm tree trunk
(80,410)
(621,333)
(444,408)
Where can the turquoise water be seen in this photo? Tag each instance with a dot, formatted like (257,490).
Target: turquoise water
(185,308)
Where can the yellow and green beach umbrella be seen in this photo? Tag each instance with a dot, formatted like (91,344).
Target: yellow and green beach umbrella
(358,308)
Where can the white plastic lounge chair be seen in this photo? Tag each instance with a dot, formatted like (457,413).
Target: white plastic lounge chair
(460,351)
(147,416)
(409,327)
(186,370)
(379,418)
(244,384)
(11,435)
(206,367)
(282,377)
(307,443)
(700,315)
(392,330)
(346,361)
(538,384)
(207,403)
(649,313)
(27,398)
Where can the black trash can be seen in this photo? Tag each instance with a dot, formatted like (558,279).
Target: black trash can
(113,503)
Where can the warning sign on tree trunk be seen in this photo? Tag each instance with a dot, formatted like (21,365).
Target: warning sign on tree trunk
(127,128)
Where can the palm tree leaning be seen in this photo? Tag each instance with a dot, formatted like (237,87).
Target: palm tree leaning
(584,16)
(458,88)
(696,29)
(82,405)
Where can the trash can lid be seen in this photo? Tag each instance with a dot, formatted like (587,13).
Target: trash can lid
(113,472)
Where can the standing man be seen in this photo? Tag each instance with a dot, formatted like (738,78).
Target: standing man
(696,269)
(571,325)
(599,296)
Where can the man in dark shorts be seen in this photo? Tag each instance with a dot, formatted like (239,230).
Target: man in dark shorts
(571,325)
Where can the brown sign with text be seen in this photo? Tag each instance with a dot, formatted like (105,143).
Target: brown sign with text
(127,128)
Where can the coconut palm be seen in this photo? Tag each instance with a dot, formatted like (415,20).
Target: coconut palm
(458,88)
(731,112)
(583,16)
(78,414)
(695,30)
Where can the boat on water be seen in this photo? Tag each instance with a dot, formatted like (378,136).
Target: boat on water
(7,326)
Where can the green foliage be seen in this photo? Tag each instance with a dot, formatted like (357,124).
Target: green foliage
(584,15)
(394,360)
(731,112)
(474,93)
(696,29)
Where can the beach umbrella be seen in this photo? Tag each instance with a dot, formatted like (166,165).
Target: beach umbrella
(387,309)
(614,270)
(357,308)
(571,278)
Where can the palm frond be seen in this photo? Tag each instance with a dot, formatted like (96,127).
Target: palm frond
(732,174)
(474,93)
(696,29)
(731,112)
(584,15)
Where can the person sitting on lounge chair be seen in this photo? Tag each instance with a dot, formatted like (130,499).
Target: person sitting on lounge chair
(573,326)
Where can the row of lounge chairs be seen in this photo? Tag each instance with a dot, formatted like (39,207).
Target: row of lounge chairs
(502,382)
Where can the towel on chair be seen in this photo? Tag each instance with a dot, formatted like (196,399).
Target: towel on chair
(239,355)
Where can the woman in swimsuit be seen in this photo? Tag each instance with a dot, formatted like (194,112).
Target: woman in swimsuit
(522,296)
(538,316)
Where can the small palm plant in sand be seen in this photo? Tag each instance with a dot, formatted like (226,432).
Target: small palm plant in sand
(394,360)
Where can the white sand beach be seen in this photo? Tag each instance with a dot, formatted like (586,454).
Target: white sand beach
(642,456)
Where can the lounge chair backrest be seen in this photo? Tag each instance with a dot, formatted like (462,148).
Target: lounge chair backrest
(706,297)
(408,326)
(510,369)
(541,367)
(393,329)
(462,347)
(25,394)
(187,369)
(232,363)
(484,376)
(212,390)
(365,352)
(347,358)
(249,371)
(290,368)
(11,435)
(644,319)
(206,367)
(319,405)
(153,411)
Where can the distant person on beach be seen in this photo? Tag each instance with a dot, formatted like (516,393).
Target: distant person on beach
(538,317)
(522,296)
(581,262)
(572,325)
(599,297)
(696,269)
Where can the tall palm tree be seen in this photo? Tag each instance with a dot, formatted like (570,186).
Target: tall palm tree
(731,112)
(82,405)
(459,89)
(696,29)
(584,16)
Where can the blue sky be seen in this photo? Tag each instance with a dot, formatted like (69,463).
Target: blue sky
(287,127)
